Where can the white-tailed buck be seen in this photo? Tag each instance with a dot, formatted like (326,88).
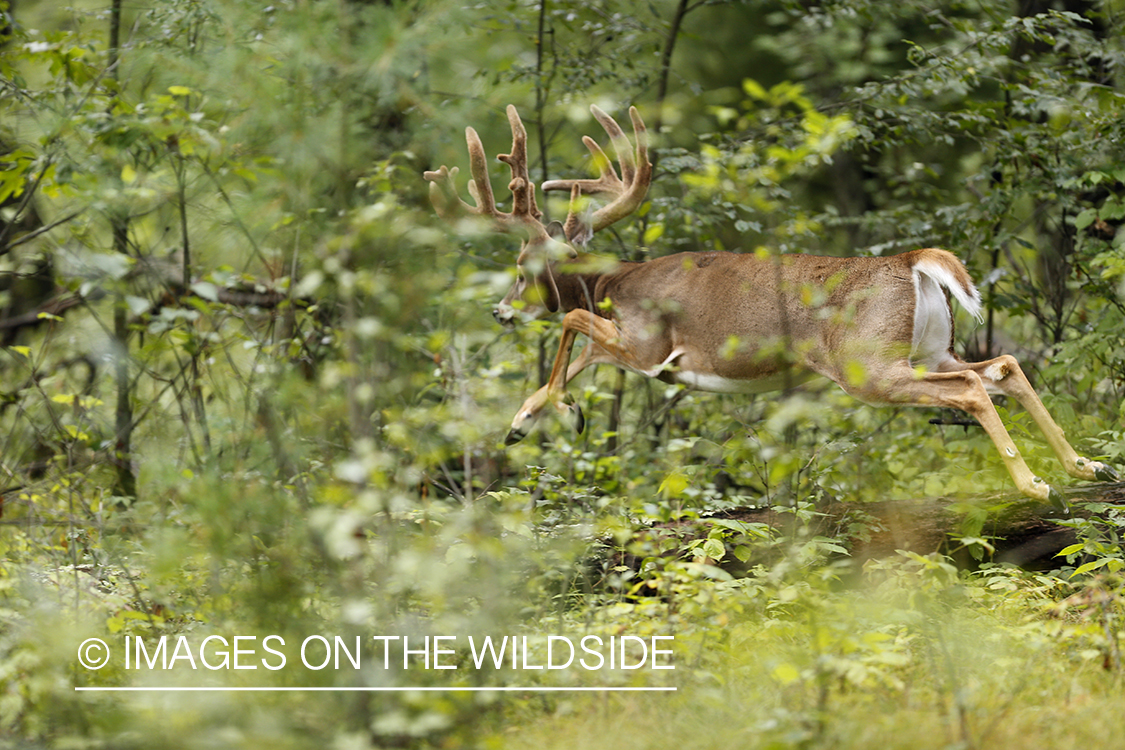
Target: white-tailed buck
(881,328)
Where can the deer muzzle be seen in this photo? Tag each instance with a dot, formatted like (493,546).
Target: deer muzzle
(504,314)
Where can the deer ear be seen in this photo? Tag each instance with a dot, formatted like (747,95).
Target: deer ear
(578,229)
(553,302)
(555,231)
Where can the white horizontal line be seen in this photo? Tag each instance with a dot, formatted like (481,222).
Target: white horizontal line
(184,689)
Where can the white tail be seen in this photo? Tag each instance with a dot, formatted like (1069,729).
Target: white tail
(956,281)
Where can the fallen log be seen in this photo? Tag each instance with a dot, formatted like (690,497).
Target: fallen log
(1021,532)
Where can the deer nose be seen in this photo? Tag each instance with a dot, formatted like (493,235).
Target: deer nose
(504,315)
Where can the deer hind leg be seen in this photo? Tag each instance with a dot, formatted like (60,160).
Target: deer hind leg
(1004,375)
(604,347)
(959,389)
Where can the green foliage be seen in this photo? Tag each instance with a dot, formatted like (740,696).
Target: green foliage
(1100,540)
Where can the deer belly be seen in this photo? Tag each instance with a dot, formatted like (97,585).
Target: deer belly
(705,381)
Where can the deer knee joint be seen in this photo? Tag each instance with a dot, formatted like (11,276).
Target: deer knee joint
(997,371)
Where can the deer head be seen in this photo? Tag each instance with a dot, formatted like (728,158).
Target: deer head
(543,245)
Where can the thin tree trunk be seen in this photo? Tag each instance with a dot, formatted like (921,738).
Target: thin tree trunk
(126,483)
(682,9)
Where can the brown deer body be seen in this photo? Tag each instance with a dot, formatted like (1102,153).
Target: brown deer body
(880,327)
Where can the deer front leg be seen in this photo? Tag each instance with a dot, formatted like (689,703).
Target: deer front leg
(533,406)
(603,348)
(1004,374)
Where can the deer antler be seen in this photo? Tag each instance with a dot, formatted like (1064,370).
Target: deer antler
(524,214)
(629,190)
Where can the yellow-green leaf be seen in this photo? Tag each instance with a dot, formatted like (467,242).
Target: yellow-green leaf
(855,372)
(714,549)
(674,484)
(1093,565)
(786,674)
(753,88)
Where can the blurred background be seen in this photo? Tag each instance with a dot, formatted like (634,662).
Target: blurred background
(250,383)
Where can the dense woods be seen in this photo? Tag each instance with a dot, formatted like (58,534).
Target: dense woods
(253,399)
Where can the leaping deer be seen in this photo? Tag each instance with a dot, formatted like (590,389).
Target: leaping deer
(881,328)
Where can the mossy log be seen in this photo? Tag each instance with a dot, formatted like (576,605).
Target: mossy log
(1023,533)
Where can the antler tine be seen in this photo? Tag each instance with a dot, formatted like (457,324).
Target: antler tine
(621,145)
(521,186)
(635,168)
(443,189)
(480,187)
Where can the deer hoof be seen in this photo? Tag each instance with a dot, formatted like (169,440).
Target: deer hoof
(1058,500)
(571,412)
(1104,473)
(578,418)
(520,427)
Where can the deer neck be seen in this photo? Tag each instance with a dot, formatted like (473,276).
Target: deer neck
(577,289)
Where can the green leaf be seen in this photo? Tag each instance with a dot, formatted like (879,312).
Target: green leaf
(1094,565)
(206,290)
(1085,219)
(753,88)
(1112,210)
(714,549)
(137,305)
(674,484)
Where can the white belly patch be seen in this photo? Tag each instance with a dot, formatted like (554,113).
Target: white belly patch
(719,384)
(709,381)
